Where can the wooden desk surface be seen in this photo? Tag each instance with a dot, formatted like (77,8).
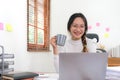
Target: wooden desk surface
(113,61)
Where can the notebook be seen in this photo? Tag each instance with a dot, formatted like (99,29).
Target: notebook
(19,76)
(82,66)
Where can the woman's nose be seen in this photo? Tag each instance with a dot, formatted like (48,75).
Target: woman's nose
(78,28)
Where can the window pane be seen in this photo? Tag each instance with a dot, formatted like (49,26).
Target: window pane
(31,2)
(40,37)
(31,15)
(31,34)
(40,14)
(41,21)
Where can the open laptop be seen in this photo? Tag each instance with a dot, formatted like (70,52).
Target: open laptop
(82,66)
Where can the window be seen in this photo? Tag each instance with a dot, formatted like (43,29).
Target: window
(38,13)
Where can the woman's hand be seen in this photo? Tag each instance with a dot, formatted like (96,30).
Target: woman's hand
(54,45)
(53,42)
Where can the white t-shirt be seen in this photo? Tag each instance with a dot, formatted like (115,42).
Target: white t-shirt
(74,46)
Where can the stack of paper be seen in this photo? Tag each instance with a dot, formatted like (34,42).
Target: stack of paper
(113,73)
(47,76)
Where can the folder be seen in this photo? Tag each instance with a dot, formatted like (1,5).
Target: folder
(19,76)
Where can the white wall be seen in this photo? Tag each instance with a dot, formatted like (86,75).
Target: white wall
(106,12)
(14,12)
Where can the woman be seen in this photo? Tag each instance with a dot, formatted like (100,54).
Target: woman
(77,27)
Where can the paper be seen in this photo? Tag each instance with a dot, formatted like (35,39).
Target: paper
(1,26)
(9,28)
(112,74)
(106,35)
(47,76)
(107,29)
(89,27)
(97,24)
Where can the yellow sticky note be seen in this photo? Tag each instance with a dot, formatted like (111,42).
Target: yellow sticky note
(9,28)
(106,35)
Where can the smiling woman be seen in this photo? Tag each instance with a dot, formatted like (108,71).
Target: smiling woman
(38,12)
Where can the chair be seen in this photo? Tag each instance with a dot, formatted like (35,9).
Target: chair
(92,36)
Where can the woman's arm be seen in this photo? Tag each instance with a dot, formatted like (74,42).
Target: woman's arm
(56,62)
(53,43)
(55,52)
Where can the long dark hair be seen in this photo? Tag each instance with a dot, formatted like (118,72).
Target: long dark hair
(71,19)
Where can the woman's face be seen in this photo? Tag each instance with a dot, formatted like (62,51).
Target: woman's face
(77,28)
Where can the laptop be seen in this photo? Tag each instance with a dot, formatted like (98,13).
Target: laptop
(82,66)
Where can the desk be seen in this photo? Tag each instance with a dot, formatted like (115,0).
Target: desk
(113,73)
(113,61)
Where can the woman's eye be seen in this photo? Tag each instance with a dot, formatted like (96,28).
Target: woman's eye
(82,26)
(74,25)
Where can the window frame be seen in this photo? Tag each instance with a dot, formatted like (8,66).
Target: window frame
(35,46)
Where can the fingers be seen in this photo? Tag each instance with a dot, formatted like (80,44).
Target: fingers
(53,41)
(54,45)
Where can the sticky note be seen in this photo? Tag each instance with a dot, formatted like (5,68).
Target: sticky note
(89,27)
(106,35)
(107,29)
(97,24)
(9,28)
(1,26)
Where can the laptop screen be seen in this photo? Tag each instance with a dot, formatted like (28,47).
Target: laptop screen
(82,66)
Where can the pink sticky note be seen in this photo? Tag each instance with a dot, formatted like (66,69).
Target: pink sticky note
(97,24)
(1,26)
(89,27)
(107,29)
